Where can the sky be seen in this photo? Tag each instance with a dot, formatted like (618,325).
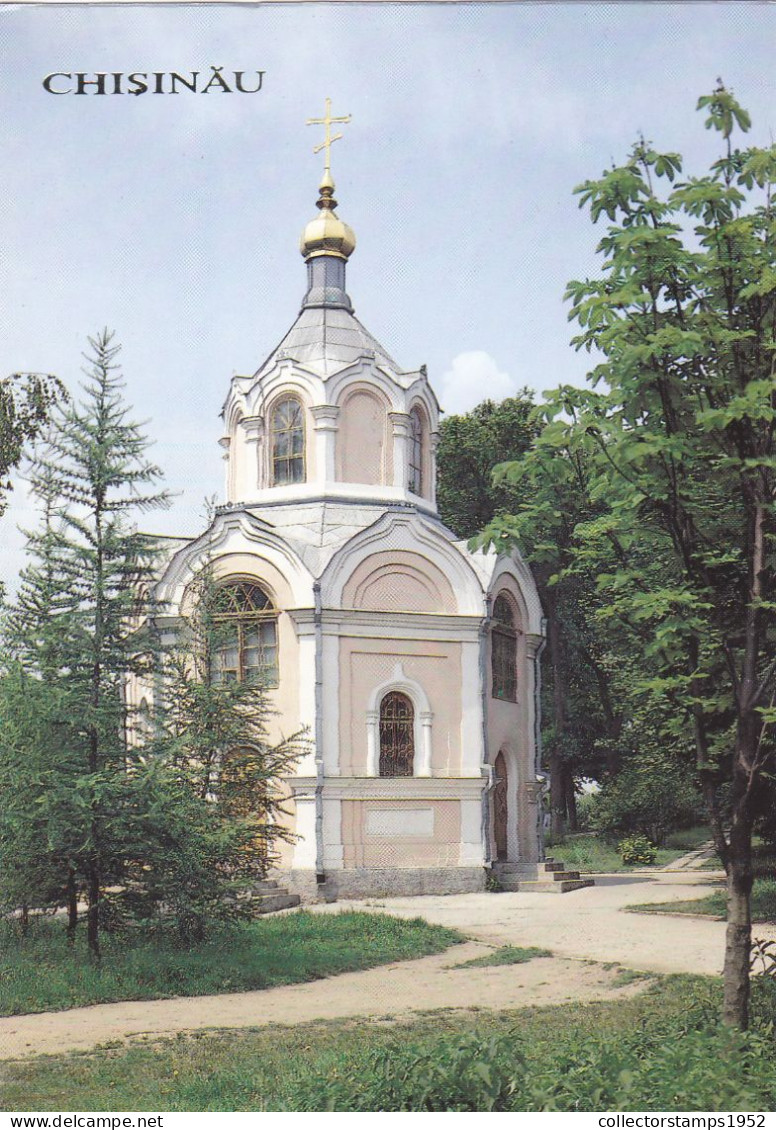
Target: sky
(175,219)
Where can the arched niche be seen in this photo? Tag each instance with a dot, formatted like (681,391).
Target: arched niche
(363,453)
(398,581)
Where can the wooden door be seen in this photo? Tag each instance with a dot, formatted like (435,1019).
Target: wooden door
(500,807)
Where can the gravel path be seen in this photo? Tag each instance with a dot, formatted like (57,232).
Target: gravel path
(582,926)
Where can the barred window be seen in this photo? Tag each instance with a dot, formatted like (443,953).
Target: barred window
(287,437)
(246,646)
(416,452)
(503,643)
(397,736)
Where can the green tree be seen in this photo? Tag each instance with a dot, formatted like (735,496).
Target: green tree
(581,718)
(215,732)
(26,403)
(75,628)
(681,444)
(469,448)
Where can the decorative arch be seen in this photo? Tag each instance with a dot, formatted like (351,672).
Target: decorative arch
(422,720)
(398,581)
(398,534)
(504,635)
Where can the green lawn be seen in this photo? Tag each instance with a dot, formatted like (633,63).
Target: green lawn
(588,853)
(713,905)
(40,972)
(662,1050)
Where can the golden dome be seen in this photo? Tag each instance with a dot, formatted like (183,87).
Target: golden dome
(327,234)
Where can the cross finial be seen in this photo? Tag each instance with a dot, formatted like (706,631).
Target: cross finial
(329,139)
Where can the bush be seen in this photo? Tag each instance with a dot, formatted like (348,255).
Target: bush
(651,800)
(636,849)
(458,1073)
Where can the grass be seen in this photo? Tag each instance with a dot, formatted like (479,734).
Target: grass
(41,972)
(507,955)
(713,905)
(586,851)
(660,1050)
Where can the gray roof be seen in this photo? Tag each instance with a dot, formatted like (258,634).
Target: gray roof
(327,339)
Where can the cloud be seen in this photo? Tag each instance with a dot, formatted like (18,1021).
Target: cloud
(473,377)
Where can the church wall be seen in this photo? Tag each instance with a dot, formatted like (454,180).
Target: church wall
(510,731)
(366,664)
(399,833)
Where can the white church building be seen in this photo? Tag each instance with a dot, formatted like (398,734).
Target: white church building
(411,661)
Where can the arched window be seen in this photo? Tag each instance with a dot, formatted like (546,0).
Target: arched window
(246,635)
(503,643)
(397,735)
(416,452)
(287,438)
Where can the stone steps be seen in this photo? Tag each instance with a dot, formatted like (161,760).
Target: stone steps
(267,896)
(549,877)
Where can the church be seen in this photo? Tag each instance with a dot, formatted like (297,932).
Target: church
(412,663)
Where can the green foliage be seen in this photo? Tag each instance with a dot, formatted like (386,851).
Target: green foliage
(470,446)
(26,404)
(636,849)
(149,961)
(507,955)
(450,1074)
(649,797)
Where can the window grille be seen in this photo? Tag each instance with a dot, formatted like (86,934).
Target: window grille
(246,629)
(503,642)
(287,432)
(397,736)
(416,452)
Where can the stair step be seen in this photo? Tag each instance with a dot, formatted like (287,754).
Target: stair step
(561,887)
(280,900)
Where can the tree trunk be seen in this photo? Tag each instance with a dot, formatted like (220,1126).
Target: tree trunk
(25,920)
(557,797)
(738,937)
(93,913)
(571,799)
(72,906)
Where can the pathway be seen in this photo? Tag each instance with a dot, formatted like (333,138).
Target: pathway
(578,927)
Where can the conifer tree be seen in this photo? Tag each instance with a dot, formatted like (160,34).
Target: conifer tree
(76,623)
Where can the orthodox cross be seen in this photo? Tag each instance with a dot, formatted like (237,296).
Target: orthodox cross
(326,144)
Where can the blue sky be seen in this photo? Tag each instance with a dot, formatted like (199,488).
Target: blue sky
(175,219)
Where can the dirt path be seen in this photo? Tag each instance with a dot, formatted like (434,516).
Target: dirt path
(580,927)
(388,991)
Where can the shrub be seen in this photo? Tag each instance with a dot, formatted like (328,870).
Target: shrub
(458,1073)
(636,849)
(651,800)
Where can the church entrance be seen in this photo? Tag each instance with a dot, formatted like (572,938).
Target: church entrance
(500,809)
